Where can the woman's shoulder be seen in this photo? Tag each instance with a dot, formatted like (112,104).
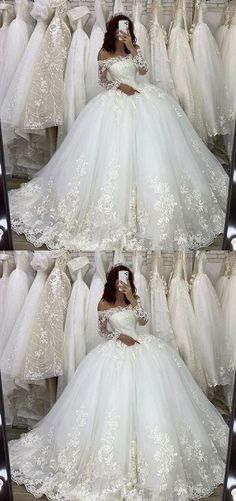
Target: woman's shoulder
(103,305)
(103,55)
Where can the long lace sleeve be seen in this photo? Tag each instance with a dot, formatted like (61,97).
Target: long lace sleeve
(102,326)
(140,63)
(140,313)
(102,77)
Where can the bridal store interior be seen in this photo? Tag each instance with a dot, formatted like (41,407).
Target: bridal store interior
(46,80)
(49,323)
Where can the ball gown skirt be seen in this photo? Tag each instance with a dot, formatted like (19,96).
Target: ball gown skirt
(131,173)
(132,425)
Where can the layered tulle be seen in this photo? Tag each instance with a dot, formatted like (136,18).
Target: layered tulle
(132,424)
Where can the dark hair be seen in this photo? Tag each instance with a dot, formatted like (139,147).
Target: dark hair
(109,293)
(109,43)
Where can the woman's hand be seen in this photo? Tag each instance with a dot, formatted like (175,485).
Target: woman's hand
(129,341)
(129,91)
(127,40)
(127,291)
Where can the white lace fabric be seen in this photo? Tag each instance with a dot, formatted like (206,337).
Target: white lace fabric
(105,315)
(104,65)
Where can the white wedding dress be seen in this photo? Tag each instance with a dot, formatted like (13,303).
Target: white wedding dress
(4,8)
(229,309)
(131,425)
(209,68)
(184,323)
(140,177)
(16,96)
(159,61)
(76,68)
(26,401)
(17,39)
(184,71)
(141,285)
(5,259)
(142,37)
(95,293)
(160,315)
(229,68)
(217,358)
(16,293)
(76,321)
(95,43)
(222,281)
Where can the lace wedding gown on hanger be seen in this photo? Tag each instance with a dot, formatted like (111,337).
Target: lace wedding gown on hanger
(183,70)
(142,37)
(131,173)
(16,293)
(183,321)
(207,59)
(222,281)
(160,315)
(76,321)
(17,39)
(17,94)
(159,61)
(95,293)
(119,431)
(76,68)
(217,358)
(95,43)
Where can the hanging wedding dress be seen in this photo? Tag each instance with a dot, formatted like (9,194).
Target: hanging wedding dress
(184,71)
(222,31)
(25,402)
(16,293)
(142,37)
(159,62)
(17,39)
(183,321)
(210,74)
(76,321)
(229,309)
(45,351)
(141,285)
(222,282)
(5,259)
(160,316)
(228,56)
(4,9)
(44,107)
(76,69)
(95,293)
(123,183)
(16,97)
(217,359)
(95,43)
(131,424)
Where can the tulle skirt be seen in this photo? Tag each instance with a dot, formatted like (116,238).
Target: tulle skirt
(131,173)
(132,424)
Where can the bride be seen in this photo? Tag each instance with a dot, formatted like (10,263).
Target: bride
(132,424)
(131,173)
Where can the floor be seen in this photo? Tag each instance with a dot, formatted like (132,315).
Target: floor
(20,242)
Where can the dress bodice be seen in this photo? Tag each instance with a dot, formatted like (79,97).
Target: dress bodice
(122,319)
(122,69)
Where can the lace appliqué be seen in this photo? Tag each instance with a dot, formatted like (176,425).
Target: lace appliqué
(102,77)
(103,330)
(140,63)
(139,311)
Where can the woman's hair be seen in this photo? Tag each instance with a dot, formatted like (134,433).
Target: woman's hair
(109,43)
(109,293)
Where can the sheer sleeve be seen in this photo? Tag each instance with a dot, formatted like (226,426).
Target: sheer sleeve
(103,330)
(102,77)
(140,313)
(140,63)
